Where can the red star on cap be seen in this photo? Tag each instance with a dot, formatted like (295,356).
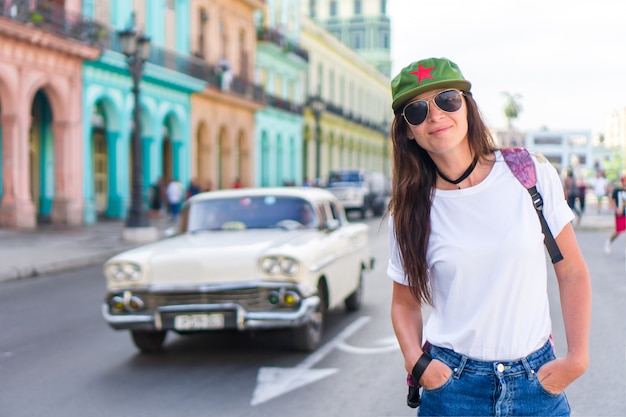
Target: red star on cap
(422,73)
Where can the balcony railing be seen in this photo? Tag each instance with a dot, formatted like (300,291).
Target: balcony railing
(284,104)
(341,112)
(279,39)
(51,18)
(214,75)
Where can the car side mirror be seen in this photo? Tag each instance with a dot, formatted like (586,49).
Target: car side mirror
(332,225)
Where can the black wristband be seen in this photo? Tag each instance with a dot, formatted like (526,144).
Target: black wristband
(420,367)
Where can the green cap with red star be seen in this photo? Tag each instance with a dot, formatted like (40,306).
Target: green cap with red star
(425,75)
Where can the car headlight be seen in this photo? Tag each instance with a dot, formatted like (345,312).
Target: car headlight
(120,271)
(289,266)
(274,265)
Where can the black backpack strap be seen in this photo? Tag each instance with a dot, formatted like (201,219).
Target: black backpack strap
(553,249)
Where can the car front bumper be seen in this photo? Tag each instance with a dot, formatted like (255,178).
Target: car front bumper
(235,316)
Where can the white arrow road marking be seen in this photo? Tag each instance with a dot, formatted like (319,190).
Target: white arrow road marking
(386,345)
(273,382)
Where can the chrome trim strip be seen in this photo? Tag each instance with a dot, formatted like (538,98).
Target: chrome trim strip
(209,287)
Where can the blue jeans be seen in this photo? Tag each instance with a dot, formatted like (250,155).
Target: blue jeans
(479,388)
(174,209)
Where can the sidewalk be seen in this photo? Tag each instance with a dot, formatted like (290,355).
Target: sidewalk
(54,248)
(57,248)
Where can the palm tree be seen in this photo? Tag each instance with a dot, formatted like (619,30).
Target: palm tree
(512,110)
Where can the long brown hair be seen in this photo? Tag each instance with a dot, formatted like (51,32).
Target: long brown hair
(413,180)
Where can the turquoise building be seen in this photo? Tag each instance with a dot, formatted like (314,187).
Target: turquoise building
(169,79)
(280,67)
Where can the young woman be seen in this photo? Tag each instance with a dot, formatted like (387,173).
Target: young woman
(465,239)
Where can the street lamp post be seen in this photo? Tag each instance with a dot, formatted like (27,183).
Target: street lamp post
(136,47)
(318,106)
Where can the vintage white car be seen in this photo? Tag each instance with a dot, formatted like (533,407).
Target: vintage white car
(244,259)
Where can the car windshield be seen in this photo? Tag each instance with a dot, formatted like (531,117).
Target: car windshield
(254,212)
(340,178)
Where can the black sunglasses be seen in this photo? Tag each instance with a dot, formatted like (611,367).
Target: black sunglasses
(448,101)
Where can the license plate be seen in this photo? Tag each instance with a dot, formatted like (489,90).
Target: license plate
(199,321)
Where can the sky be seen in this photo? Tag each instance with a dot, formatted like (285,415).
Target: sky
(565,59)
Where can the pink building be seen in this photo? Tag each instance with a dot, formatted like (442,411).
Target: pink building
(42,49)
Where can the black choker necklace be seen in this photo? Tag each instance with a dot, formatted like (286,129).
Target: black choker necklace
(466,174)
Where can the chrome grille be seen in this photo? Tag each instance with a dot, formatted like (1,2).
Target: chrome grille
(251,299)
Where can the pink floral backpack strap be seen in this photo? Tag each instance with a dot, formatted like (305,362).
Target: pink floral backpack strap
(522,166)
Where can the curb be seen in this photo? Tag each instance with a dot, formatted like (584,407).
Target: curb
(37,270)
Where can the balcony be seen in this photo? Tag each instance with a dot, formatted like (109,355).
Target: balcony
(48,17)
(280,40)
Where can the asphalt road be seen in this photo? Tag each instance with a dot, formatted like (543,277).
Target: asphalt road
(59,358)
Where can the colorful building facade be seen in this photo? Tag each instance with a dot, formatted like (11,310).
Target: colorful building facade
(281,69)
(226,96)
(170,77)
(223,38)
(43,46)
(363,25)
(350,128)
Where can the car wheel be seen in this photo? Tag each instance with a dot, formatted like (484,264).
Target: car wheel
(354,300)
(148,342)
(307,337)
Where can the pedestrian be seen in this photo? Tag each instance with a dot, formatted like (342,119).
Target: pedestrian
(570,187)
(582,195)
(465,239)
(156,199)
(600,188)
(174,193)
(618,206)
(237,183)
(193,188)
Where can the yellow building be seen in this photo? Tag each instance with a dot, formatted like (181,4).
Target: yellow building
(352,102)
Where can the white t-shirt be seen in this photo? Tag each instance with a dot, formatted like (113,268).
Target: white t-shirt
(487,264)
(600,186)
(174,192)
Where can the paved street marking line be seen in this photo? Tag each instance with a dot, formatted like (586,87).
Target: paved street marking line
(273,382)
(386,345)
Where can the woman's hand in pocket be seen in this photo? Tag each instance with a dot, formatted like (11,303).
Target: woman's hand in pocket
(435,375)
(556,375)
